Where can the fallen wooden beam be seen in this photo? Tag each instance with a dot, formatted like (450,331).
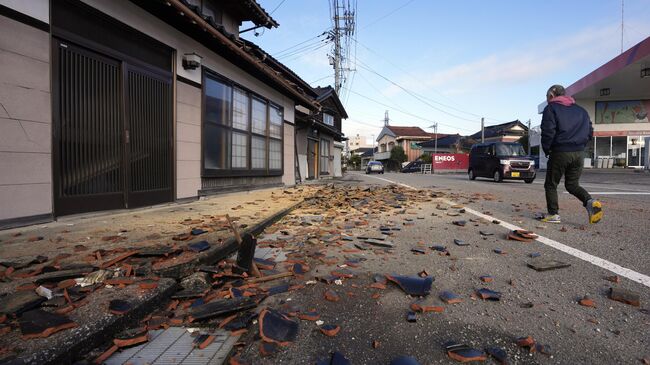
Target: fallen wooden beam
(270,277)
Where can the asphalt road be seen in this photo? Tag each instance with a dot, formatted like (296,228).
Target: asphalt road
(623,237)
(538,304)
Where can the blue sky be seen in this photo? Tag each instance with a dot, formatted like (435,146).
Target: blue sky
(465,58)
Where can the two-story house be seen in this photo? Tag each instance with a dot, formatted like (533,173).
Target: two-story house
(505,132)
(319,137)
(121,104)
(405,137)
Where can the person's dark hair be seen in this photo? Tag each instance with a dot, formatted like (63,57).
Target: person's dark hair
(555,91)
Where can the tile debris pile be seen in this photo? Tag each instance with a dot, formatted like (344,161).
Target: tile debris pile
(40,296)
(236,294)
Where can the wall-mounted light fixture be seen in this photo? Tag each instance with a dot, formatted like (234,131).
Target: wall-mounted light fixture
(191,61)
(645,72)
(604,91)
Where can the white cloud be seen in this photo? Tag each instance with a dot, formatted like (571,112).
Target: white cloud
(514,66)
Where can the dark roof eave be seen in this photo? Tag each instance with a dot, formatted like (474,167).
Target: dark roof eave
(243,55)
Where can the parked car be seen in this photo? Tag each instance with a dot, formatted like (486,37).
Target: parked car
(413,166)
(501,160)
(375,166)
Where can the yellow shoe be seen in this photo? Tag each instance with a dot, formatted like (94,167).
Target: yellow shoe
(551,218)
(595,210)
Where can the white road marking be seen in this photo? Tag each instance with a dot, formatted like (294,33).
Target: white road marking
(615,193)
(607,265)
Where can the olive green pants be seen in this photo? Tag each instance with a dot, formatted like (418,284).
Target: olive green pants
(570,165)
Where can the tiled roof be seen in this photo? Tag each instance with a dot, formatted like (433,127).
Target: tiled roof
(409,131)
(500,130)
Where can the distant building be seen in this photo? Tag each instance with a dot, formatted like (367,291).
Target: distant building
(405,137)
(617,97)
(319,137)
(454,143)
(358,141)
(506,132)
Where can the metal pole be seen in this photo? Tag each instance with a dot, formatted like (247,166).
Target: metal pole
(435,130)
(528,137)
(482,130)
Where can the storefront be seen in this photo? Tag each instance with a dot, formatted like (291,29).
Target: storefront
(617,98)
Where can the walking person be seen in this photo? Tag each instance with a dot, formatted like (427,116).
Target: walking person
(566,130)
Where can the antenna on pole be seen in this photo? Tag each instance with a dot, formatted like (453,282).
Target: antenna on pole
(622,22)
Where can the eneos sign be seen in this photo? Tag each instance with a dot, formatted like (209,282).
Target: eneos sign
(450,161)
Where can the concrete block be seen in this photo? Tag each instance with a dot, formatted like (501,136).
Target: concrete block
(24,136)
(188,94)
(188,151)
(188,169)
(25,168)
(188,132)
(25,104)
(24,39)
(25,200)
(188,114)
(186,188)
(24,71)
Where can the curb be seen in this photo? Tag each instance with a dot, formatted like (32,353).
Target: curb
(224,250)
(66,347)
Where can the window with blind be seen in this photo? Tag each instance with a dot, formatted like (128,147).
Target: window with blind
(242,132)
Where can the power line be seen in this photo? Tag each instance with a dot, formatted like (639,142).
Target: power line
(276,8)
(413,94)
(404,111)
(423,96)
(304,53)
(388,14)
(299,44)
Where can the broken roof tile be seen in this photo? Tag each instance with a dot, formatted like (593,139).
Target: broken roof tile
(450,297)
(330,330)
(331,295)
(464,353)
(498,354)
(404,360)
(624,296)
(119,306)
(526,342)
(277,328)
(487,294)
(38,323)
(543,264)
(335,358)
(222,306)
(198,246)
(412,285)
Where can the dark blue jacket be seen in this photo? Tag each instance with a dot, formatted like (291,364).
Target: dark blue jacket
(565,128)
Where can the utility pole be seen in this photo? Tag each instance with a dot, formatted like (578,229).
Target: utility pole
(528,137)
(622,22)
(482,130)
(435,144)
(343,29)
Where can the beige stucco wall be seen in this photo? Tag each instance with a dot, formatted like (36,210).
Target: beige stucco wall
(188,140)
(289,177)
(25,121)
(386,139)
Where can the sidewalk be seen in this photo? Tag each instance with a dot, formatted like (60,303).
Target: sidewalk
(134,259)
